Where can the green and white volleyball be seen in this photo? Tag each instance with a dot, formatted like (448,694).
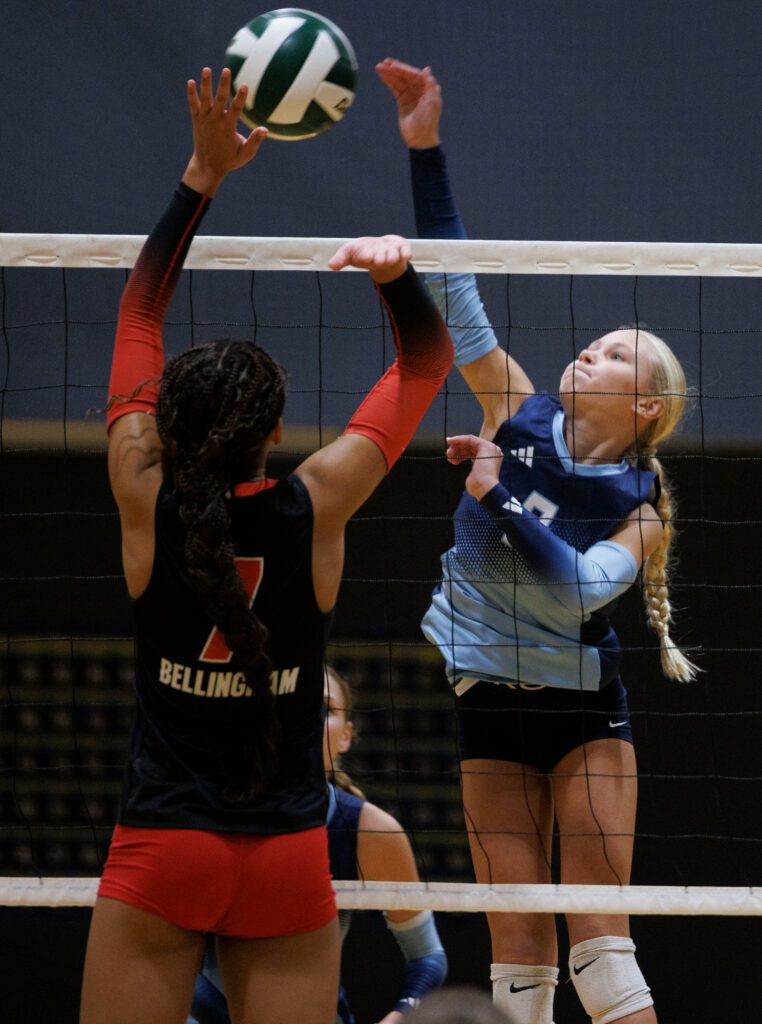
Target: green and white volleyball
(300,70)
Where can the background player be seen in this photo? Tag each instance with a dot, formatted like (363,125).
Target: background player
(363,842)
(566,502)
(221,827)
(366,842)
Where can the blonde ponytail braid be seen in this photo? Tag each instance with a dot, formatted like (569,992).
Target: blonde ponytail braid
(674,663)
(345,781)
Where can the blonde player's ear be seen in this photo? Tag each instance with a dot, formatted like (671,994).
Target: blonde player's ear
(650,407)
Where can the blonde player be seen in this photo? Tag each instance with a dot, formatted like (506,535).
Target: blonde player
(565,505)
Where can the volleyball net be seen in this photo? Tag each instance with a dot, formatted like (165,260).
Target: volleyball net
(66,666)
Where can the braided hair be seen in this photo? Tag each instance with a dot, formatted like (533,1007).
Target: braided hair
(217,406)
(668,383)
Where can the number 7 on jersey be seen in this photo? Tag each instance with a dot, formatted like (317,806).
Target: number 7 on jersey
(251,571)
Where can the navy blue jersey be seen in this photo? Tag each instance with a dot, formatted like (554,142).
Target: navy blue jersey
(344,810)
(343,822)
(194,709)
(491,617)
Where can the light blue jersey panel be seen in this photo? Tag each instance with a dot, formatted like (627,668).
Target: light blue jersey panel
(491,617)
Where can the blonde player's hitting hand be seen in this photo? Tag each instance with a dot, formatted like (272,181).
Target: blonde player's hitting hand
(487,459)
(419,101)
(385,258)
(218,146)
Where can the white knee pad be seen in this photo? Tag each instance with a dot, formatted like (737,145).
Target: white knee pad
(607,978)
(524,992)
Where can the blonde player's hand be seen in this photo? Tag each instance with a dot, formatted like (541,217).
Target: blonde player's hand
(419,101)
(385,257)
(218,146)
(487,460)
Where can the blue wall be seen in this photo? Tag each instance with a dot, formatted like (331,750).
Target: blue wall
(564,119)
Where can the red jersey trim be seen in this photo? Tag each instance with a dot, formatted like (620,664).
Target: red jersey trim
(245,490)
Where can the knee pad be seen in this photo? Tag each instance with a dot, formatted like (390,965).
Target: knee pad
(607,978)
(524,992)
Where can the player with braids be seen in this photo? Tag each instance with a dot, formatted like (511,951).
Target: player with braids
(363,842)
(238,390)
(234,578)
(565,504)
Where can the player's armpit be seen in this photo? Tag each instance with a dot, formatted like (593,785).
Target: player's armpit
(134,460)
(341,476)
(338,478)
(499,385)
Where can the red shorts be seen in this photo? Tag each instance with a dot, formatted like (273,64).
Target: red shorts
(231,883)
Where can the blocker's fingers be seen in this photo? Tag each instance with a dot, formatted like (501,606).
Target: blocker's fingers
(223,89)
(340,257)
(253,142)
(240,98)
(206,87)
(194,104)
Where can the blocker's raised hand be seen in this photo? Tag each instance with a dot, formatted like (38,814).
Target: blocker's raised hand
(218,146)
(385,257)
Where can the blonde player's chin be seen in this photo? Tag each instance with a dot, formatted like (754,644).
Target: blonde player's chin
(570,390)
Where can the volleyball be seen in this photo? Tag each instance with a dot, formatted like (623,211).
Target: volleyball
(300,70)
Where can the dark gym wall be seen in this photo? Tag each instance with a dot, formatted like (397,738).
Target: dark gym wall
(564,119)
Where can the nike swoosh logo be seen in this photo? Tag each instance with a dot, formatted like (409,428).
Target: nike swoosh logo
(523,988)
(579,970)
(615,725)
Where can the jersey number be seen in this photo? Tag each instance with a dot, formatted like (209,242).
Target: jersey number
(545,510)
(251,571)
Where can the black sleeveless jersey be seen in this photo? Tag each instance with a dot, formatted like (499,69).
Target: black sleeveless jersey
(193,704)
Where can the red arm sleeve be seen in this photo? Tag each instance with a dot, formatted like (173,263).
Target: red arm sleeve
(391,412)
(138,360)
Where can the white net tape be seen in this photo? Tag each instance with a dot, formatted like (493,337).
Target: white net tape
(456,896)
(671,259)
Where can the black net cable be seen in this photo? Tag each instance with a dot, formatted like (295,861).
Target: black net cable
(407,705)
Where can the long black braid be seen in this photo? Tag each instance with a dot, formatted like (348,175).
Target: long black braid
(217,405)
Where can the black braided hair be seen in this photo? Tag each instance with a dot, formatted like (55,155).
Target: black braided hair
(217,405)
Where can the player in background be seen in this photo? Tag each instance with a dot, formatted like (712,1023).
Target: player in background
(566,505)
(364,842)
(222,821)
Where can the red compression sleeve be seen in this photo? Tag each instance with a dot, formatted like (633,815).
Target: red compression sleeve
(391,412)
(138,352)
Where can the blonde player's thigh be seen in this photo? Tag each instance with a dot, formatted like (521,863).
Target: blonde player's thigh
(595,791)
(509,817)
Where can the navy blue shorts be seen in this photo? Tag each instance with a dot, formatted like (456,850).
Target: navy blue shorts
(537,727)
